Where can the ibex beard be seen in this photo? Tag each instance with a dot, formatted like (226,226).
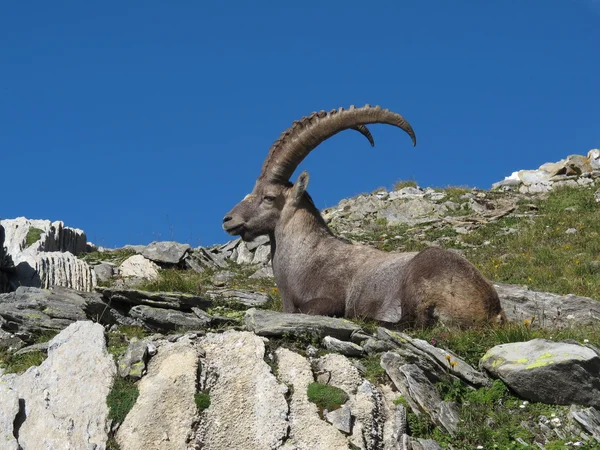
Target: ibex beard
(319,273)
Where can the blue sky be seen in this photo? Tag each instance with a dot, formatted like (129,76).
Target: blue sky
(142,121)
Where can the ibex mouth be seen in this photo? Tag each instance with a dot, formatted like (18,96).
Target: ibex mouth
(235,230)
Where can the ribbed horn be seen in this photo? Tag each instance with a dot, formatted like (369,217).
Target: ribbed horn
(295,143)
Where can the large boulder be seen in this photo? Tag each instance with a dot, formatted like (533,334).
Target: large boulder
(166,252)
(62,403)
(271,323)
(44,254)
(545,371)
(248,408)
(550,310)
(32,310)
(164,412)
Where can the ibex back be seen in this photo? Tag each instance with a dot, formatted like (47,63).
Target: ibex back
(318,273)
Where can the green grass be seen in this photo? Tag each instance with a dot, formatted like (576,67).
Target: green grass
(115,256)
(175,280)
(491,417)
(121,398)
(542,255)
(33,235)
(325,396)
(472,344)
(11,363)
(202,400)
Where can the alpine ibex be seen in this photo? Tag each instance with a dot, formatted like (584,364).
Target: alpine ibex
(318,273)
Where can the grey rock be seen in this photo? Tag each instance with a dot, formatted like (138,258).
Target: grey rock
(341,419)
(372,346)
(9,341)
(60,409)
(167,319)
(9,409)
(139,267)
(166,252)
(40,347)
(588,419)
(104,271)
(340,372)
(244,256)
(33,310)
(133,362)
(270,323)
(432,360)
(597,196)
(420,393)
(170,300)
(259,241)
(223,277)
(263,272)
(246,298)
(307,430)
(248,408)
(164,413)
(262,255)
(594,158)
(359,337)
(411,212)
(342,347)
(549,310)
(200,259)
(545,371)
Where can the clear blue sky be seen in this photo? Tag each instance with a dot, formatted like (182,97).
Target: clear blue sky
(142,121)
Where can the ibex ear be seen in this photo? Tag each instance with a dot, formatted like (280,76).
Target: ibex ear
(300,187)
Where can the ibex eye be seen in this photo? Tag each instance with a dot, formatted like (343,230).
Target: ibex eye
(269,198)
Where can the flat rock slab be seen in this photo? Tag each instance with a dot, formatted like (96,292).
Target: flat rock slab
(432,360)
(31,309)
(172,300)
(270,323)
(307,429)
(545,371)
(246,298)
(550,310)
(64,399)
(247,409)
(164,412)
(166,252)
(419,392)
(168,319)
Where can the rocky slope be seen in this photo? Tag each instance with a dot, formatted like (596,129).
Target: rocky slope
(185,348)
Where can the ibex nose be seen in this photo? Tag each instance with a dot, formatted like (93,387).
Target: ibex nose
(226,219)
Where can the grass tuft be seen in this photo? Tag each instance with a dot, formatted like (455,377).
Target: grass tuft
(121,398)
(33,235)
(326,397)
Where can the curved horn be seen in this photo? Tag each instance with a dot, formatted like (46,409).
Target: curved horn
(295,143)
(366,133)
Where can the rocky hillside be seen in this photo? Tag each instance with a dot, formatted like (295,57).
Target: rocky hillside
(166,346)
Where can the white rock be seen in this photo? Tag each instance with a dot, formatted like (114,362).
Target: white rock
(594,157)
(139,266)
(164,412)
(9,408)
(247,405)
(307,430)
(65,397)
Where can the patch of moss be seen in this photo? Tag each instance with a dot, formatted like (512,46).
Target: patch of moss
(33,235)
(202,400)
(326,397)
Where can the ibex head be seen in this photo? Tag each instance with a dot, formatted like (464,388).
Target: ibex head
(274,197)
